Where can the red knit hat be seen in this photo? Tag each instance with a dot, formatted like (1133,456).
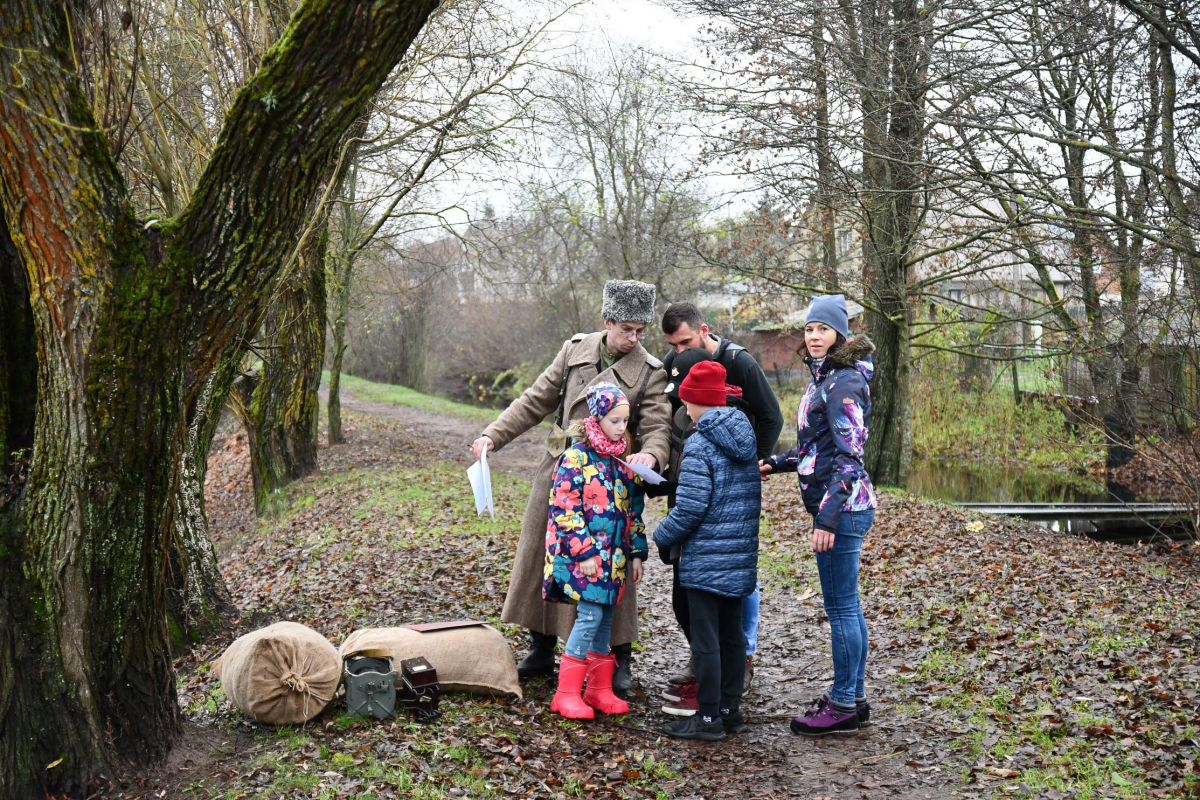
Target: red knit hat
(704,385)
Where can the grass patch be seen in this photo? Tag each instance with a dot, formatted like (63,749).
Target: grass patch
(403,396)
(428,500)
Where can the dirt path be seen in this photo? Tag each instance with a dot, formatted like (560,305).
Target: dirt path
(451,435)
(896,757)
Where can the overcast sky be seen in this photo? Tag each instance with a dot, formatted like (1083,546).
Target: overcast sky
(645,23)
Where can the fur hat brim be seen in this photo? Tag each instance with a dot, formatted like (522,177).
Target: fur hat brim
(628,301)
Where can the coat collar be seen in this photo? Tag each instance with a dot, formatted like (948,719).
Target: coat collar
(628,368)
(849,354)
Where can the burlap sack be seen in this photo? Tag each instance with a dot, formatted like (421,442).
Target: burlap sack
(471,658)
(282,674)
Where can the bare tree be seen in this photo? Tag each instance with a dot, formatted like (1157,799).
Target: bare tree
(447,115)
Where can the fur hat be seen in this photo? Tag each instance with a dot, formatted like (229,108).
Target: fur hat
(628,301)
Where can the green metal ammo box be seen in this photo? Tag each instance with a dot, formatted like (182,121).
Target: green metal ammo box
(370,684)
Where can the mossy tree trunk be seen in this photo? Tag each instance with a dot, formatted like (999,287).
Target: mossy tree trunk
(277,402)
(196,592)
(131,318)
(340,311)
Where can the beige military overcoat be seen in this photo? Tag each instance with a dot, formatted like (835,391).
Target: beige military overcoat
(641,377)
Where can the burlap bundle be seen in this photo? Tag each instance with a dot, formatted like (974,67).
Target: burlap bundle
(282,674)
(468,657)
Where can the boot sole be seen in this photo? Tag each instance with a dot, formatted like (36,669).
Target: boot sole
(565,715)
(544,672)
(703,737)
(679,712)
(815,734)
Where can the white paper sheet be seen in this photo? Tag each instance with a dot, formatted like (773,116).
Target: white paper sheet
(481,484)
(645,473)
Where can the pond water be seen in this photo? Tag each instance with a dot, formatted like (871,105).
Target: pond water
(973,482)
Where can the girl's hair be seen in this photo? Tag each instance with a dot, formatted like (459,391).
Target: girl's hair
(576,430)
(802,350)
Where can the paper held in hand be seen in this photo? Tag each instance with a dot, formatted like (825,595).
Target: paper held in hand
(645,473)
(481,484)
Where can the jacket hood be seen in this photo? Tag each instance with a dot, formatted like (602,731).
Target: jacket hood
(730,431)
(855,353)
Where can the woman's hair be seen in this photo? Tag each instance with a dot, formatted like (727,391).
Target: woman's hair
(802,350)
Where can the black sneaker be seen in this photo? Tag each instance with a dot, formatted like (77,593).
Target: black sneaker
(696,727)
(733,721)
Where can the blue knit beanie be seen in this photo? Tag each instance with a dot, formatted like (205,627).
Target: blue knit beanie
(830,309)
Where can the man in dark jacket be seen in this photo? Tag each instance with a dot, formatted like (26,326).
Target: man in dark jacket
(715,520)
(685,328)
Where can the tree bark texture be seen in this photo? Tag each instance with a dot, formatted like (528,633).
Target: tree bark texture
(130,321)
(341,309)
(278,403)
(892,97)
(196,593)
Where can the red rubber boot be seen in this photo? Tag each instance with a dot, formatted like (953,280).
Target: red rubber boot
(567,701)
(599,694)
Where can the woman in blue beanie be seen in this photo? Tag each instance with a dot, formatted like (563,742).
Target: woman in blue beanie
(833,422)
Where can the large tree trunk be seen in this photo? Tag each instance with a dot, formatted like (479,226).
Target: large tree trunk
(277,402)
(197,595)
(892,96)
(341,307)
(131,319)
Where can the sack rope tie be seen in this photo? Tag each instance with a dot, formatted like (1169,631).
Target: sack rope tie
(294,682)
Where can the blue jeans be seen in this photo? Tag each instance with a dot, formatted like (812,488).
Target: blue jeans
(593,622)
(750,621)
(838,569)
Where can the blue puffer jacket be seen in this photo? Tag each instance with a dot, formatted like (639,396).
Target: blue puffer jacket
(717,505)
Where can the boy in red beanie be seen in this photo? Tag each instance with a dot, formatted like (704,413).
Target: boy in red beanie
(715,520)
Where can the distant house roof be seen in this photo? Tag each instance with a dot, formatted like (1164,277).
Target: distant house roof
(795,319)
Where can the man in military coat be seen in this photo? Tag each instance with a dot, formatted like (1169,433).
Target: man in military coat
(616,355)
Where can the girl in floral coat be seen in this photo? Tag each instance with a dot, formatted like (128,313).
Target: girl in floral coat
(595,541)
(833,422)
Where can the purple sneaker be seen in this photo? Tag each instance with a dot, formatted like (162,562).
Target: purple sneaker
(823,719)
(863,710)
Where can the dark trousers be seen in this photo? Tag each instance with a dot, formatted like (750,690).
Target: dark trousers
(679,604)
(718,651)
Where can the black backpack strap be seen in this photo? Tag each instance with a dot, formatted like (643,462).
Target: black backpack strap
(562,396)
(642,391)
(727,348)
(562,386)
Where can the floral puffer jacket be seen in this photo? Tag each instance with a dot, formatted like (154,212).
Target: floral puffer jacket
(833,421)
(595,509)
